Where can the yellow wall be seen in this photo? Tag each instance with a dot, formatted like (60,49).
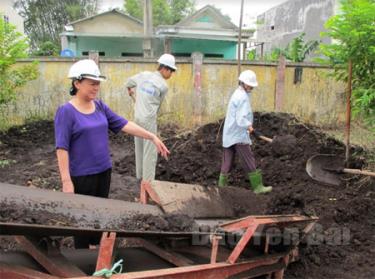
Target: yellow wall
(317,99)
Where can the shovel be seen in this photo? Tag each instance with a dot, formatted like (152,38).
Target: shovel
(327,168)
(281,145)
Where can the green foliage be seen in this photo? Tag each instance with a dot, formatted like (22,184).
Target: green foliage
(134,8)
(161,12)
(180,9)
(297,49)
(45,19)
(252,55)
(13,46)
(353,34)
(47,49)
(272,56)
(164,12)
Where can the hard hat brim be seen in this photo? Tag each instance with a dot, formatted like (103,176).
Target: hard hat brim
(92,77)
(252,84)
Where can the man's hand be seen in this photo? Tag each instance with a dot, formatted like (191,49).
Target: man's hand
(162,149)
(67,186)
(131,92)
(250,129)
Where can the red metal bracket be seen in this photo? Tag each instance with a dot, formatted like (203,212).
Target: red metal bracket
(215,247)
(106,251)
(147,192)
(242,243)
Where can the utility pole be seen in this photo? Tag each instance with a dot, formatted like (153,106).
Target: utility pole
(239,40)
(147,29)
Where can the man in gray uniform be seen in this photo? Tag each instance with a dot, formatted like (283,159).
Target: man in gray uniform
(149,89)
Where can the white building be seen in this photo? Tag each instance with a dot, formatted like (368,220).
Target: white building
(10,14)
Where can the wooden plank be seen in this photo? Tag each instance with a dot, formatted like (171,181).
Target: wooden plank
(193,200)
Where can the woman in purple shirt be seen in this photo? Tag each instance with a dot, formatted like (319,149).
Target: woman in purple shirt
(81,133)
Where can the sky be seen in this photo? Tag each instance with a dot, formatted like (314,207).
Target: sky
(232,8)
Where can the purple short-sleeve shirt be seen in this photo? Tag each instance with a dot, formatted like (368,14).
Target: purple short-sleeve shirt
(85,137)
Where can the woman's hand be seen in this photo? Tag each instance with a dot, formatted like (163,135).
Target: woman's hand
(135,130)
(67,186)
(161,148)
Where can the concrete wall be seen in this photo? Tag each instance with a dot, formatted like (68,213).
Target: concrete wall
(317,99)
(279,25)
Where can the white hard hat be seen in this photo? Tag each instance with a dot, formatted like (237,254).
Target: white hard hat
(86,68)
(249,78)
(168,60)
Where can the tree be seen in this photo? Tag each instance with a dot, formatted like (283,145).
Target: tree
(134,8)
(13,46)
(163,11)
(353,34)
(47,49)
(297,49)
(45,19)
(180,9)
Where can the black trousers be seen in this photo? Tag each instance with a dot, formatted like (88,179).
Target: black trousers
(96,185)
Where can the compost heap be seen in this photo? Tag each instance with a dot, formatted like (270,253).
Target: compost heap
(28,158)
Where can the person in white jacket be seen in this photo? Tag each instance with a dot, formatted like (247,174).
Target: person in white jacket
(236,140)
(148,90)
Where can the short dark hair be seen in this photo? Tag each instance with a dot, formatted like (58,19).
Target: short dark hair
(161,66)
(73,89)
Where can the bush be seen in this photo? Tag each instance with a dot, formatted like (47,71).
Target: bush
(13,46)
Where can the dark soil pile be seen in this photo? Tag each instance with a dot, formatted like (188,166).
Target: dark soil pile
(344,238)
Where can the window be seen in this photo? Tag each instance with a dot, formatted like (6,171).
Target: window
(86,53)
(126,54)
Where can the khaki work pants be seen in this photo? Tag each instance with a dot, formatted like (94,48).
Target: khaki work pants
(145,153)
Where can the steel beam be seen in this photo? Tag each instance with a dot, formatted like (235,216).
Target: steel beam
(19,272)
(242,243)
(207,271)
(169,256)
(55,263)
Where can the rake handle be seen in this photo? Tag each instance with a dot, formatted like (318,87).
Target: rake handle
(355,171)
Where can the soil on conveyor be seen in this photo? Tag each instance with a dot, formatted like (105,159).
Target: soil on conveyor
(342,244)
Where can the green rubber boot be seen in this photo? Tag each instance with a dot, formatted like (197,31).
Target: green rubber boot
(256,183)
(223,180)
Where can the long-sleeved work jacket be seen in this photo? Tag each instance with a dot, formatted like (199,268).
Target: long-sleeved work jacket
(238,119)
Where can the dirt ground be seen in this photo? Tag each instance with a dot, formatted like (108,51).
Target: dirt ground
(344,238)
